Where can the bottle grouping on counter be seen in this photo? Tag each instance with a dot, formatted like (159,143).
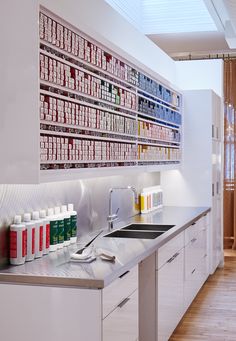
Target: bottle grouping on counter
(40,233)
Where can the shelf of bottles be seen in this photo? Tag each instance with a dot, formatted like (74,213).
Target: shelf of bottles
(97,110)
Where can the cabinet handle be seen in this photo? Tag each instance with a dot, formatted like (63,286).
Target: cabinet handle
(217,187)
(125,273)
(213,191)
(213,131)
(173,257)
(193,240)
(205,255)
(122,303)
(193,271)
(203,229)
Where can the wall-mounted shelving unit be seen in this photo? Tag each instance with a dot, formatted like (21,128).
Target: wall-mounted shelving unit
(98,110)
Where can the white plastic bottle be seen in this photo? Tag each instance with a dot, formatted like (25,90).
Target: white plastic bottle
(18,242)
(60,231)
(30,228)
(73,223)
(46,232)
(38,234)
(53,229)
(67,225)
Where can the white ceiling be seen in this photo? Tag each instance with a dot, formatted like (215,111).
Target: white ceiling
(184,27)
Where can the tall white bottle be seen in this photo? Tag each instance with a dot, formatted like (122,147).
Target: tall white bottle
(73,222)
(30,228)
(18,242)
(53,229)
(46,232)
(38,234)
(67,225)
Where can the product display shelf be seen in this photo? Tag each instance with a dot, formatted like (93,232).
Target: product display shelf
(168,104)
(104,107)
(71,126)
(70,92)
(85,70)
(89,87)
(48,22)
(87,66)
(158,121)
(89,137)
(158,144)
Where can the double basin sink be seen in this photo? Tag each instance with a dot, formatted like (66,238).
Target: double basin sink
(140,231)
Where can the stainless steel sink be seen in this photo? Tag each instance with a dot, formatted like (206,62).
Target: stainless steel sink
(148,227)
(134,234)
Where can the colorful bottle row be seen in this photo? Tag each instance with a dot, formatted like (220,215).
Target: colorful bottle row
(151,199)
(42,232)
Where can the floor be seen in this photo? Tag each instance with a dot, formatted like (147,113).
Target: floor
(212,315)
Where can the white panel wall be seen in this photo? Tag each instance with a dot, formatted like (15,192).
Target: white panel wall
(200,74)
(99,20)
(19,118)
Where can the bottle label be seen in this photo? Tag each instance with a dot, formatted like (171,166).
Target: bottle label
(41,238)
(73,223)
(60,231)
(53,232)
(33,240)
(13,244)
(67,229)
(47,236)
(24,243)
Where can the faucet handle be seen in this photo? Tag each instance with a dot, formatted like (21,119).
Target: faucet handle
(113,217)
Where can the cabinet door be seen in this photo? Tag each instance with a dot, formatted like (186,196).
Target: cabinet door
(169,295)
(122,323)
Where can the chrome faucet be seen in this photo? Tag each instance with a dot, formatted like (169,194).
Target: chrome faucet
(113,216)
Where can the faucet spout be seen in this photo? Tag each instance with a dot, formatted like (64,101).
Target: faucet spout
(113,216)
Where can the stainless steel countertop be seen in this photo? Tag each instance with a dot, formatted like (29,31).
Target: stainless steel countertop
(56,269)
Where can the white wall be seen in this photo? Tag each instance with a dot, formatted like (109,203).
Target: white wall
(102,22)
(200,74)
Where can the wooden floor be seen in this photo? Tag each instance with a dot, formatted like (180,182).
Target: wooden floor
(212,315)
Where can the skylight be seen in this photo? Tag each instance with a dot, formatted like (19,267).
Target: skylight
(166,16)
(175,16)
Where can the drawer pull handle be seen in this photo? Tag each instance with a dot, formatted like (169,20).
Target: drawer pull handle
(193,271)
(205,255)
(203,229)
(173,257)
(193,240)
(125,273)
(122,303)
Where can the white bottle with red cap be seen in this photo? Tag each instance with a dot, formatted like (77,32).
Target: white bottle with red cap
(30,228)
(46,232)
(18,242)
(38,234)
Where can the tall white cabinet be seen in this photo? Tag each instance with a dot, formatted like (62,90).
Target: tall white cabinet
(199,181)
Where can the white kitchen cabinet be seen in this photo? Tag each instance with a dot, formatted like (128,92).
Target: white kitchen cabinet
(196,258)
(199,181)
(120,308)
(170,288)
(122,323)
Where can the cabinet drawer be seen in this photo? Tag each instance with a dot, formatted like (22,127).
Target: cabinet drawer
(122,323)
(118,290)
(195,280)
(165,252)
(193,230)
